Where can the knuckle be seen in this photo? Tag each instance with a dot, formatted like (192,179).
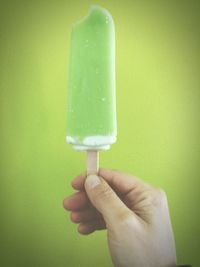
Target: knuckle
(125,217)
(115,170)
(126,220)
(103,193)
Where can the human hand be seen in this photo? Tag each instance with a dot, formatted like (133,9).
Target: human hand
(135,214)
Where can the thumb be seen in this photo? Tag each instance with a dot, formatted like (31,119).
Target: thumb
(105,200)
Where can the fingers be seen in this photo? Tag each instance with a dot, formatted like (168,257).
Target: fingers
(78,182)
(89,220)
(117,197)
(90,227)
(119,181)
(76,202)
(105,200)
(85,215)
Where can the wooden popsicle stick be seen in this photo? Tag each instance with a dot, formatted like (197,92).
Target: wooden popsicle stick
(92,162)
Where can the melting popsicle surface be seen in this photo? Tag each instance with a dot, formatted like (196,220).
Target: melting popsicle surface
(91,99)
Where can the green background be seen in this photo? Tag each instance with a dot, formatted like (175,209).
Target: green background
(158,124)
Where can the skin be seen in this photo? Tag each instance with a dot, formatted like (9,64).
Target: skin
(135,214)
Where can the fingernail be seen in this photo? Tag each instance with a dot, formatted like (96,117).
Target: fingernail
(92,181)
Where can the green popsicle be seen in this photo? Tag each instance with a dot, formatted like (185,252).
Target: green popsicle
(91,120)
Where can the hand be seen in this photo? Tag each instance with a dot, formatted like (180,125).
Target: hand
(135,214)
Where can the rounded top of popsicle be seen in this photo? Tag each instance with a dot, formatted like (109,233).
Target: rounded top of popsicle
(97,15)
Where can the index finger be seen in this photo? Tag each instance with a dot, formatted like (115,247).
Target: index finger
(121,182)
(78,182)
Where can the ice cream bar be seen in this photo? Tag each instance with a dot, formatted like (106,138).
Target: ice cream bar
(91,121)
